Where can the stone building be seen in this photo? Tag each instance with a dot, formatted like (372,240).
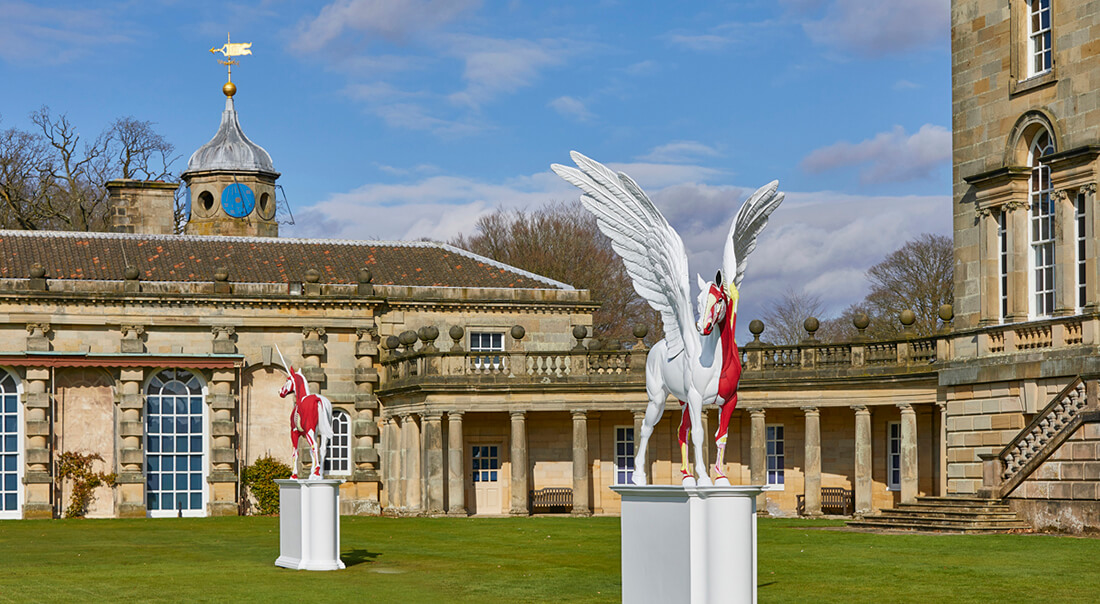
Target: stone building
(464,386)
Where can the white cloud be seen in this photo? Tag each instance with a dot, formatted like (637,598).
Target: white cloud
(571,108)
(38,34)
(391,19)
(891,156)
(495,66)
(874,27)
(698,42)
(680,152)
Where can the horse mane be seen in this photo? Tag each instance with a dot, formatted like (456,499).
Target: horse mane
(301,388)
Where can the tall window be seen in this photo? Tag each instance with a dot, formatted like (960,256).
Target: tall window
(11,491)
(1002,238)
(624,454)
(1038,37)
(485,462)
(175,444)
(338,452)
(1079,216)
(486,342)
(1042,226)
(775,455)
(893,462)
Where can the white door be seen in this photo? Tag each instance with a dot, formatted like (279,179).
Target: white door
(485,473)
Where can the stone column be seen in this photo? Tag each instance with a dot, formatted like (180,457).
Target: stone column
(758,455)
(939,468)
(456,465)
(223,430)
(1016,228)
(411,459)
(908,453)
(1065,252)
(365,457)
(812,482)
(131,430)
(863,460)
(36,417)
(433,461)
(313,348)
(580,463)
(990,250)
(639,419)
(396,453)
(519,464)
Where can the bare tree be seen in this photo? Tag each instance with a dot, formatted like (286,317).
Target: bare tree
(918,276)
(786,316)
(561,241)
(54,178)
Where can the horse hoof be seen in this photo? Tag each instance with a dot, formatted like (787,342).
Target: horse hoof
(638,479)
(704,481)
(722,482)
(689,481)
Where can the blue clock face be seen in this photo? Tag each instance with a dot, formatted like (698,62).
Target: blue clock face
(238,200)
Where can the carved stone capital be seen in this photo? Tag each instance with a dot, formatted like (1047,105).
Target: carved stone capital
(222,332)
(37,330)
(366,333)
(1061,194)
(984,212)
(1014,205)
(1090,188)
(313,333)
(132,332)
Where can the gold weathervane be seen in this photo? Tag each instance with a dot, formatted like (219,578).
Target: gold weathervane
(230,50)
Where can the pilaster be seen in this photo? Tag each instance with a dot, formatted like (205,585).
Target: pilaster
(365,426)
(36,417)
(131,431)
(223,429)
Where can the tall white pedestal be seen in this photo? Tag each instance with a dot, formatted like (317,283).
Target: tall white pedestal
(688,544)
(309,524)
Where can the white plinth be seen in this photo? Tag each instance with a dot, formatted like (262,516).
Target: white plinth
(309,524)
(688,544)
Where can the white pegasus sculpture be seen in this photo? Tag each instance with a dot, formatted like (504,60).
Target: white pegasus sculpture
(697,361)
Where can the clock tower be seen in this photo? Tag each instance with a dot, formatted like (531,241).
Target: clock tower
(232,182)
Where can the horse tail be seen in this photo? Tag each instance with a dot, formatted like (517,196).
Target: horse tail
(324,417)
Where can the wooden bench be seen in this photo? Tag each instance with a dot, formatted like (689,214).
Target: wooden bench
(834,500)
(552,498)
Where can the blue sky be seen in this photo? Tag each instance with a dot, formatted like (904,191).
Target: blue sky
(403,119)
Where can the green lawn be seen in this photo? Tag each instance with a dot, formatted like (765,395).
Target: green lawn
(512,560)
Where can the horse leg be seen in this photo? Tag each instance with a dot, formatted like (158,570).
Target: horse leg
(682,434)
(653,412)
(720,441)
(294,435)
(315,469)
(695,406)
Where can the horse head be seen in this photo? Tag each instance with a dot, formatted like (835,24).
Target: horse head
(713,303)
(288,387)
(295,381)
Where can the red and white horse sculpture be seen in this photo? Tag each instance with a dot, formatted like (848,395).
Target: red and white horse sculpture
(697,362)
(311,418)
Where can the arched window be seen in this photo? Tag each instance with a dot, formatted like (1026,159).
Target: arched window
(175,444)
(338,453)
(11,440)
(1041,233)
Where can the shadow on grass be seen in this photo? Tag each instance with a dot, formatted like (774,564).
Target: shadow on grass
(357,556)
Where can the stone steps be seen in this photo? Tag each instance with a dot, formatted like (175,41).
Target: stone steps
(947,514)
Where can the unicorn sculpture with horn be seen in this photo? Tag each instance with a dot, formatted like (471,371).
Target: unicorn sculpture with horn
(697,361)
(311,418)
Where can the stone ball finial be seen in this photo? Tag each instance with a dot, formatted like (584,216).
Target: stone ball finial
(312,275)
(407,338)
(947,312)
(756,327)
(365,276)
(811,325)
(907,317)
(428,333)
(221,274)
(640,331)
(518,332)
(861,321)
(456,332)
(37,271)
(392,343)
(580,332)
(130,273)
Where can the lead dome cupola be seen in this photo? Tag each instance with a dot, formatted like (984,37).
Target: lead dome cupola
(230,149)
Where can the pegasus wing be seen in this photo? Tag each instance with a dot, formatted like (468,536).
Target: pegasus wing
(746,226)
(651,250)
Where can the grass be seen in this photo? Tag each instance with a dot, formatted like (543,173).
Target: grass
(513,560)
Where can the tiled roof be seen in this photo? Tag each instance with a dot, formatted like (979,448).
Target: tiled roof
(104,256)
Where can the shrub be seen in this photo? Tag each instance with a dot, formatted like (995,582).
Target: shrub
(78,468)
(260,480)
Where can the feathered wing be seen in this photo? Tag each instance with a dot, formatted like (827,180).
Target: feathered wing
(651,250)
(746,226)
